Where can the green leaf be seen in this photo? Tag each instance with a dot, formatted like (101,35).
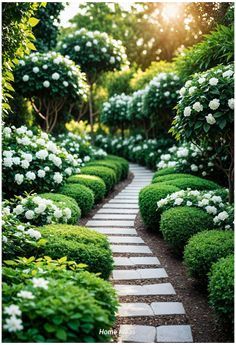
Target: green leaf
(74,324)
(61,334)
(222,124)
(31,46)
(49,328)
(33,21)
(206,127)
(57,320)
(10,262)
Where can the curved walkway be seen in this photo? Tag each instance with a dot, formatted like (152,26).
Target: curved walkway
(150,310)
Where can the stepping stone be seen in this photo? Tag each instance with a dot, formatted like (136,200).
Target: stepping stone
(129,206)
(145,290)
(115,231)
(135,309)
(126,198)
(104,223)
(137,334)
(124,239)
(145,260)
(122,201)
(116,211)
(115,216)
(116,248)
(147,273)
(167,308)
(174,334)
(130,275)
(122,261)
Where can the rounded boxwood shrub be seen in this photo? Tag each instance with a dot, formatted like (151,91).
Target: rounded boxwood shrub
(221,288)
(148,198)
(107,175)
(79,234)
(178,224)
(70,203)
(204,249)
(96,184)
(83,195)
(193,183)
(170,177)
(109,164)
(124,164)
(164,171)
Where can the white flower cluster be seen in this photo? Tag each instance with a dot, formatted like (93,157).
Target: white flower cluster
(39,211)
(209,201)
(115,110)
(35,160)
(136,104)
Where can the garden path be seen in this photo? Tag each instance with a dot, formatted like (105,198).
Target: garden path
(149,311)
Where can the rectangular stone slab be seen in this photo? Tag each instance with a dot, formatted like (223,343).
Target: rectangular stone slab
(116,248)
(104,223)
(115,216)
(174,334)
(144,260)
(167,308)
(115,231)
(148,273)
(124,239)
(116,211)
(154,273)
(135,309)
(145,290)
(122,201)
(137,334)
(129,206)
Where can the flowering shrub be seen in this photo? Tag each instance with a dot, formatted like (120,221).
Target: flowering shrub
(213,202)
(52,82)
(34,162)
(17,239)
(115,111)
(136,108)
(39,211)
(94,51)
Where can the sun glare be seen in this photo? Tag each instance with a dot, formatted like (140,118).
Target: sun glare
(171,10)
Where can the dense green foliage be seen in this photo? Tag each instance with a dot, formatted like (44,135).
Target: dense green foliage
(96,184)
(109,163)
(221,288)
(164,171)
(178,224)
(204,249)
(148,198)
(193,182)
(82,194)
(123,163)
(107,175)
(169,177)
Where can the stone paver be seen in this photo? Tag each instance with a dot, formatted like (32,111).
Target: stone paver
(137,334)
(116,248)
(133,261)
(134,309)
(147,273)
(104,223)
(121,201)
(116,211)
(115,231)
(115,216)
(145,290)
(174,334)
(154,273)
(124,239)
(167,308)
(129,206)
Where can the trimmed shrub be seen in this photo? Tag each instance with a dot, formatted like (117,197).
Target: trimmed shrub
(221,288)
(124,164)
(164,171)
(96,184)
(178,224)
(148,198)
(70,203)
(193,183)
(83,195)
(109,164)
(107,175)
(77,233)
(170,177)
(206,248)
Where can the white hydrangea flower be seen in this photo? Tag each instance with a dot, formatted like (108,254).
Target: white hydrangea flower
(18,209)
(197,106)
(210,119)
(45,66)
(29,214)
(201,80)
(231,103)
(7,162)
(213,81)
(57,177)
(192,90)
(214,104)
(40,283)
(41,173)
(12,310)
(30,175)
(35,69)
(89,44)
(65,83)
(77,48)
(25,294)
(187,111)
(25,164)
(55,76)
(178,201)
(46,83)
(228,73)
(34,233)
(194,167)
(13,324)
(25,78)
(19,178)
(112,59)
(42,154)
(211,209)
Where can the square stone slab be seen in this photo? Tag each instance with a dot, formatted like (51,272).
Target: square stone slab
(124,239)
(144,260)
(167,308)
(116,211)
(116,248)
(135,309)
(145,290)
(115,231)
(115,216)
(149,273)
(104,223)
(129,206)
(174,334)
(137,334)
(160,289)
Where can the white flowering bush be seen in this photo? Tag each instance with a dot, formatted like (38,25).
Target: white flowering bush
(52,82)
(136,107)
(34,162)
(39,211)
(189,158)
(93,51)
(115,111)
(205,113)
(213,202)
(18,239)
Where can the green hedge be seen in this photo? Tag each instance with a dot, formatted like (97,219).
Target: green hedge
(170,177)
(165,171)
(106,174)
(70,203)
(221,289)
(193,183)
(87,247)
(109,164)
(178,224)
(148,198)
(124,164)
(83,195)
(96,184)
(206,248)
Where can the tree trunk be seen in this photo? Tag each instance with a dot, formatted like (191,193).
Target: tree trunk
(91,109)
